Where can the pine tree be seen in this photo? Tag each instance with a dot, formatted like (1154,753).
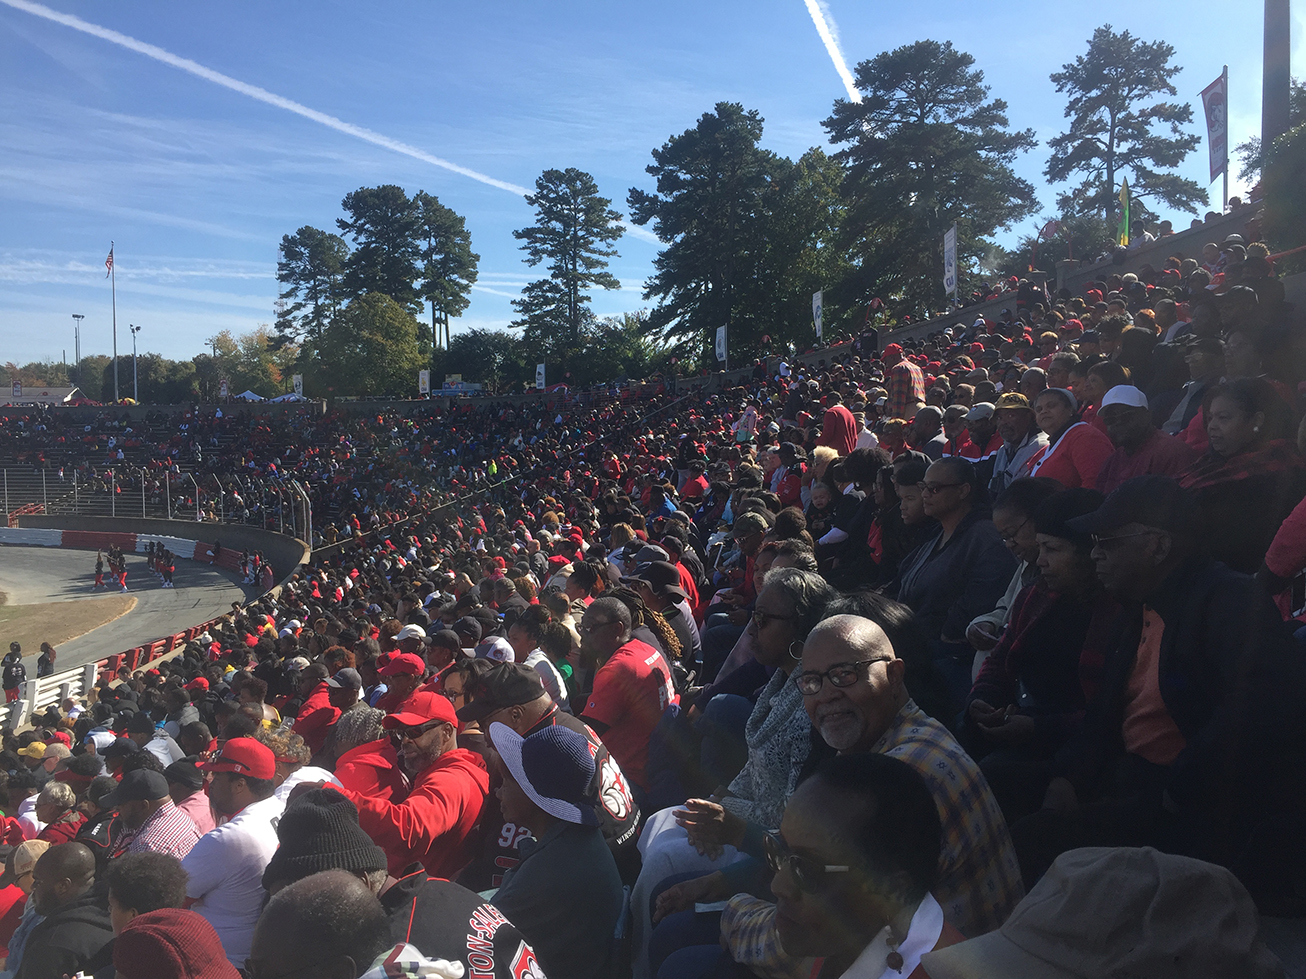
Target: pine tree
(1117,124)
(573,232)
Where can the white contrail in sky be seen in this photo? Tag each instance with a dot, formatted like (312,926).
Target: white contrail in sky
(263,95)
(829,37)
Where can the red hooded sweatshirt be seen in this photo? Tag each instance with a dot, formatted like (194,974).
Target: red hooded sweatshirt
(436,822)
(316,717)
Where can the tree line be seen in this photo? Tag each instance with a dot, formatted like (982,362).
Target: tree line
(748,235)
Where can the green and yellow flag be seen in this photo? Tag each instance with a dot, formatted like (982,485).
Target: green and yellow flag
(1122,232)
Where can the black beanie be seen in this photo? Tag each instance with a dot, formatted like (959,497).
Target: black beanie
(319,831)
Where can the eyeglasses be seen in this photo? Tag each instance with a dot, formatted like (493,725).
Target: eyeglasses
(932,488)
(1008,538)
(413,733)
(809,875)
(1107,542)
(595,626)
(840,675)
(762,618)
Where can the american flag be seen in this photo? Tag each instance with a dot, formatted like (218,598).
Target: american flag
(108,262)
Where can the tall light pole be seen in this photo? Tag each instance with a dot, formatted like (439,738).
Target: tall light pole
(136,392)
(1276,72)
(77,345)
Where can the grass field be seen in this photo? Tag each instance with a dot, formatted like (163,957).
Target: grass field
(57,622)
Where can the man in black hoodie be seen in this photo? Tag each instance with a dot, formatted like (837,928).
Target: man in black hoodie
(76,928)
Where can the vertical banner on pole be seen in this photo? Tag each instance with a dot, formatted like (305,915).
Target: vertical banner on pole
(222,388)
(817,312)
(1122,230)
(539,377)
(298,380)
(721,344)
(950,261)
(18,390)
(423,383)
(1215,99)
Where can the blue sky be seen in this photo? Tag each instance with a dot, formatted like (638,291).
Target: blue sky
(197,183)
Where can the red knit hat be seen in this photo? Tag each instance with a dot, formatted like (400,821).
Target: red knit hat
(170,942)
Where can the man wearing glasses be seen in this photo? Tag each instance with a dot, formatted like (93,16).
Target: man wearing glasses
(1194,745)
(435,822)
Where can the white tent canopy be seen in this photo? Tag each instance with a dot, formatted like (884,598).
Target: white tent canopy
(250,396)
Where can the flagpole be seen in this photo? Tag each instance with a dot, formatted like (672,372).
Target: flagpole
(1225,206)
(113,291)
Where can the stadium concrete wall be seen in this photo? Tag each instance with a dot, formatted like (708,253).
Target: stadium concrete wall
(186,539)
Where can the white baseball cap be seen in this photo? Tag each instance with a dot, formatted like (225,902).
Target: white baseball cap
(1124,394)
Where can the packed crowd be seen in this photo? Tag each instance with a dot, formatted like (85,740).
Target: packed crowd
(977,656)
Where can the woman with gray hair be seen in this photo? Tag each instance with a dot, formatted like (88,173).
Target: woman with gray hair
(706,834)
(56,806)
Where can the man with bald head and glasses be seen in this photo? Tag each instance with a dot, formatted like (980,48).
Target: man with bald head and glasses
(853,684)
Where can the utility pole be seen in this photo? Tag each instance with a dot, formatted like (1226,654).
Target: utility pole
(136,391)
(1276,72)
(77,345)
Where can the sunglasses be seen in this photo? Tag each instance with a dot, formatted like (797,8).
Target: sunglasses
(413,733)
(810,875)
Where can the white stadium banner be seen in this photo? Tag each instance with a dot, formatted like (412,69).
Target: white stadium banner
(423,382)
(817,312)
(1215,99)
(950,261)
(539,377)
(721,344)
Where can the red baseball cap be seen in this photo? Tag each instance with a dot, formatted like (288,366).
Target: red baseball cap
(199,683)
(421,707)
(243,756)
(403,664)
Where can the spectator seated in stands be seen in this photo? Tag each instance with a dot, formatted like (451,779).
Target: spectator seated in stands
(320,831)
(1251,475)
(74,931)
(170,942)
(1193,744)
(1076,450)
(852,866)
(1034,687)
(959,572)
(140,883)
(1140,448)
(435,823)
(545,788)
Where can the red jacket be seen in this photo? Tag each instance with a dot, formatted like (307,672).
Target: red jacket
(372,770)
(64,829)
(316,717)
(436,823)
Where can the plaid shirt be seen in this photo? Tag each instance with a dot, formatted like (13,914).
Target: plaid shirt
(906,387)
(979,876)
(169,830)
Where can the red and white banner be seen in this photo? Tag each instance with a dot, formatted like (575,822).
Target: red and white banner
(1215,99)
